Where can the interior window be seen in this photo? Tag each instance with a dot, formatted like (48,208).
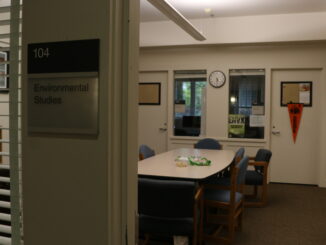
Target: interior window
(247,104)
(189,94)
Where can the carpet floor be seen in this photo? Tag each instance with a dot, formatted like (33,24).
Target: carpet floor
(295,215)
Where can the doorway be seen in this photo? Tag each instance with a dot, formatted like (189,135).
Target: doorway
(152,118)
(295,162)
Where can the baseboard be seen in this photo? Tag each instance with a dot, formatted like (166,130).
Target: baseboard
(282,183)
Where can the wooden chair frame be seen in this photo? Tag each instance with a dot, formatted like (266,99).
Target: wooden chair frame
(141,156)
(233,218)
(263,199)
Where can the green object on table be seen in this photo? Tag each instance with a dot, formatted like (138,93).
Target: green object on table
(199,161)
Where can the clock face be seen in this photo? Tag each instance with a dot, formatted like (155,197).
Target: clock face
(217,79)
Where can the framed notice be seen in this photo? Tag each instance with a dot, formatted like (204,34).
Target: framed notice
(296,92)
(149,93)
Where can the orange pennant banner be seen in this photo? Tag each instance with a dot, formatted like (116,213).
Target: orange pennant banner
(295,112)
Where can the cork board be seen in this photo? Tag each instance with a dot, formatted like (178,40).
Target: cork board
(296,92)
(149,93)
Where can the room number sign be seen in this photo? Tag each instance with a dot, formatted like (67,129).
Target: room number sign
(62,87)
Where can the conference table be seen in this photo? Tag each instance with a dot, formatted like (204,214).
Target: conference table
(165,164)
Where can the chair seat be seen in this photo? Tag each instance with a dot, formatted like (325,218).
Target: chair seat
(166,226)
(221,195)
(253,178)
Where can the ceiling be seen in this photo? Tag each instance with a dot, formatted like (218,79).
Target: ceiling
(195,9)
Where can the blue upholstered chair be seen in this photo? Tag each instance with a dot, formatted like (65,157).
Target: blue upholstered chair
(208,143)
(258,177)
(228,198)
(168,208)
(225,177)
(145,152)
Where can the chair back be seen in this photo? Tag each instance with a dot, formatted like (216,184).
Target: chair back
(263,155)
(242,169)
(166,198)
(239,155)
(145,152)
(208,143)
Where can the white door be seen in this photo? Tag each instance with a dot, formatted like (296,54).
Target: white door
(295,162)
(152,124)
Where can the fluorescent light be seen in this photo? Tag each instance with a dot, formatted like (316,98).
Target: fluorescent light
(167,9)
(233,99)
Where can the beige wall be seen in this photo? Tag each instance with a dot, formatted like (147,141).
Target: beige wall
(225,57)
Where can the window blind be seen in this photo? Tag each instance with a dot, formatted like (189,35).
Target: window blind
(10,162)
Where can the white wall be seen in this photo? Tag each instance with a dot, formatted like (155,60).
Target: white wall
(244,29)
(225,57)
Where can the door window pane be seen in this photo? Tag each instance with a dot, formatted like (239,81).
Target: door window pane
(247,104)
(189,92)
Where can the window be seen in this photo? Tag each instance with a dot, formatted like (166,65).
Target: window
(247,104)
(189,94)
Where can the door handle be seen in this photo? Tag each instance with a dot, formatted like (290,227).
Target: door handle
(276,132)
(163,129)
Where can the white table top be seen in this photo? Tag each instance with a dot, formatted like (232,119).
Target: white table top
(164,164)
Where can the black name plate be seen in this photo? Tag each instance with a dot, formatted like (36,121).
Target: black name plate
(66,56)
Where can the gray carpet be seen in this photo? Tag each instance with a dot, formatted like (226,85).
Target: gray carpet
(295,215)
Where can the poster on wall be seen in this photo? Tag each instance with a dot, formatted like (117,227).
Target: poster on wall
(256,121)
(237,124)
(295,112)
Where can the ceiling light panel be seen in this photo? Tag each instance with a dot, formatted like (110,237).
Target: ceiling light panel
(173,14)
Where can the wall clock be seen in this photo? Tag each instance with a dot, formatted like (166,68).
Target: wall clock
(217,79)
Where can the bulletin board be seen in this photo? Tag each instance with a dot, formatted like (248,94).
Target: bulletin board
(149,93)
(296,92)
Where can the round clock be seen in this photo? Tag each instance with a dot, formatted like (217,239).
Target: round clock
(217,79)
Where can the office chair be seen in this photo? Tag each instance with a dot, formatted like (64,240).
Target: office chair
(145,152)
(224,178)
(258,178)
(169,208)
(224,206)
(208,143)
